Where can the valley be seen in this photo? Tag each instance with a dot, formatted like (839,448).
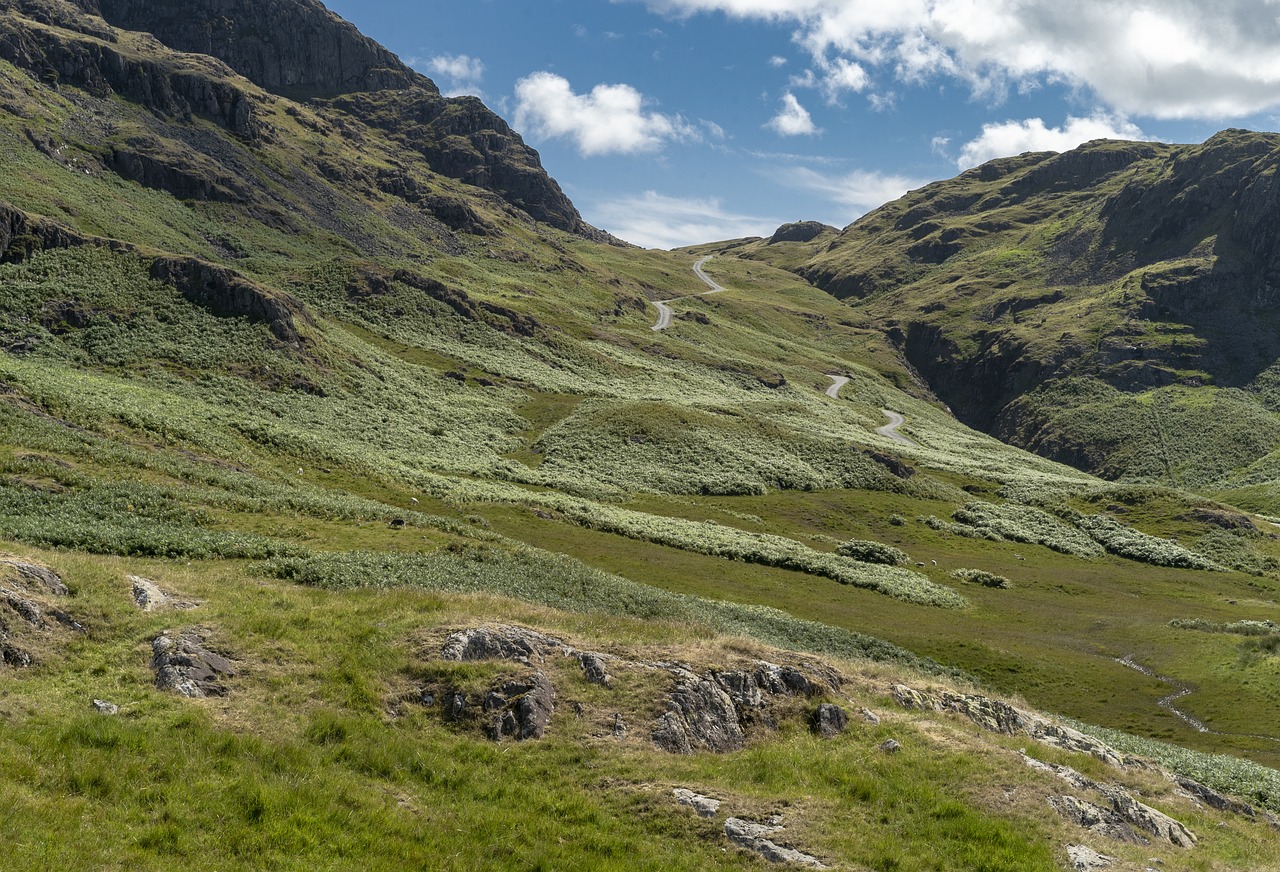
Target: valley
(335,365)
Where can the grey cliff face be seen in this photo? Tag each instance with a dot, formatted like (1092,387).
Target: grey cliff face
(295,48)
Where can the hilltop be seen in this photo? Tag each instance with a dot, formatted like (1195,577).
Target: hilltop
(307,370)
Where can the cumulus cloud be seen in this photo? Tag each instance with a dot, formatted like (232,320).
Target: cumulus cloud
(793,119)
(1174,59)
(653,220)
(1015,137)
(856,192)
(610,120)
(462,74)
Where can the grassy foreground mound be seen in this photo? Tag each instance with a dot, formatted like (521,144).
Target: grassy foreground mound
(324,747)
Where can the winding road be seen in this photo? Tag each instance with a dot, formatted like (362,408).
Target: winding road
(664,311)
(889,430)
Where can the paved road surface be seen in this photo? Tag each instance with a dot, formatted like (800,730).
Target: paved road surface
(891,429)
(838,381)
(664,311)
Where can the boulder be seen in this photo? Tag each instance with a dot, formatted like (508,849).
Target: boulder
(829,721)
(594,668)
(518,708)
(1085,859)
(185,666)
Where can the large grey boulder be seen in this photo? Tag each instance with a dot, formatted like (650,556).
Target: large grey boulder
(829,721)
(185,666)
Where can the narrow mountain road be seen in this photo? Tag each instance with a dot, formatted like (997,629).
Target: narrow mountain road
(891,429)
(895,420)
(664,311)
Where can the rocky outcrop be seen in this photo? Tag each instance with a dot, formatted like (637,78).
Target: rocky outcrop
(801,231)
(500,643)
(758,838)
(700,715)
(184,665)
(1122,808)
(520,708)
(1000,717)
(1102,821)
(296,48)
(1085,859)
(218,289)
(174,90)
(462,139)
(705,806)
(226,293)
(43,576)
(148,596)
(829,720)
(31,616)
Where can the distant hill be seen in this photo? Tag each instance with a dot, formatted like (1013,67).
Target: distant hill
(1115,307)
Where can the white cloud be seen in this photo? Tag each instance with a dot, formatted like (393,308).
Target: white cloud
(1172,59)
(859,191)
(1014,137)
(653,220)
(609,120)
(463,74)
(793,119)
(777,61)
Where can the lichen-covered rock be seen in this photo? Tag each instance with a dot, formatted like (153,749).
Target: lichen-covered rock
(829,721)
(755,837)
(49,580)
(499,643)
(1095,818)
(672,734)
(185,666)
(595,669)
(1085,859)
(708,714)
(1127,809)
(1212,798)
(530,704)
(705,806)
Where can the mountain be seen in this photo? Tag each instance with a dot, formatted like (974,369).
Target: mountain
(355,512)
(1113,307)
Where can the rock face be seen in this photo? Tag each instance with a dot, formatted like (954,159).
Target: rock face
(461,138)
(185,666)
(102,67)
(500,643)
(296,48)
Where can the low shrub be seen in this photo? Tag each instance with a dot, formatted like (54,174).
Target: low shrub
(978,576)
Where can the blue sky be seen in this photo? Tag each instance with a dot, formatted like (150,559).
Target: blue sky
(671,122)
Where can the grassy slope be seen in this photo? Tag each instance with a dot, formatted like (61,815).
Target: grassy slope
(151,428)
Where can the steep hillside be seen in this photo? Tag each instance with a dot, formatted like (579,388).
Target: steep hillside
(1112,307)
(293,392)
